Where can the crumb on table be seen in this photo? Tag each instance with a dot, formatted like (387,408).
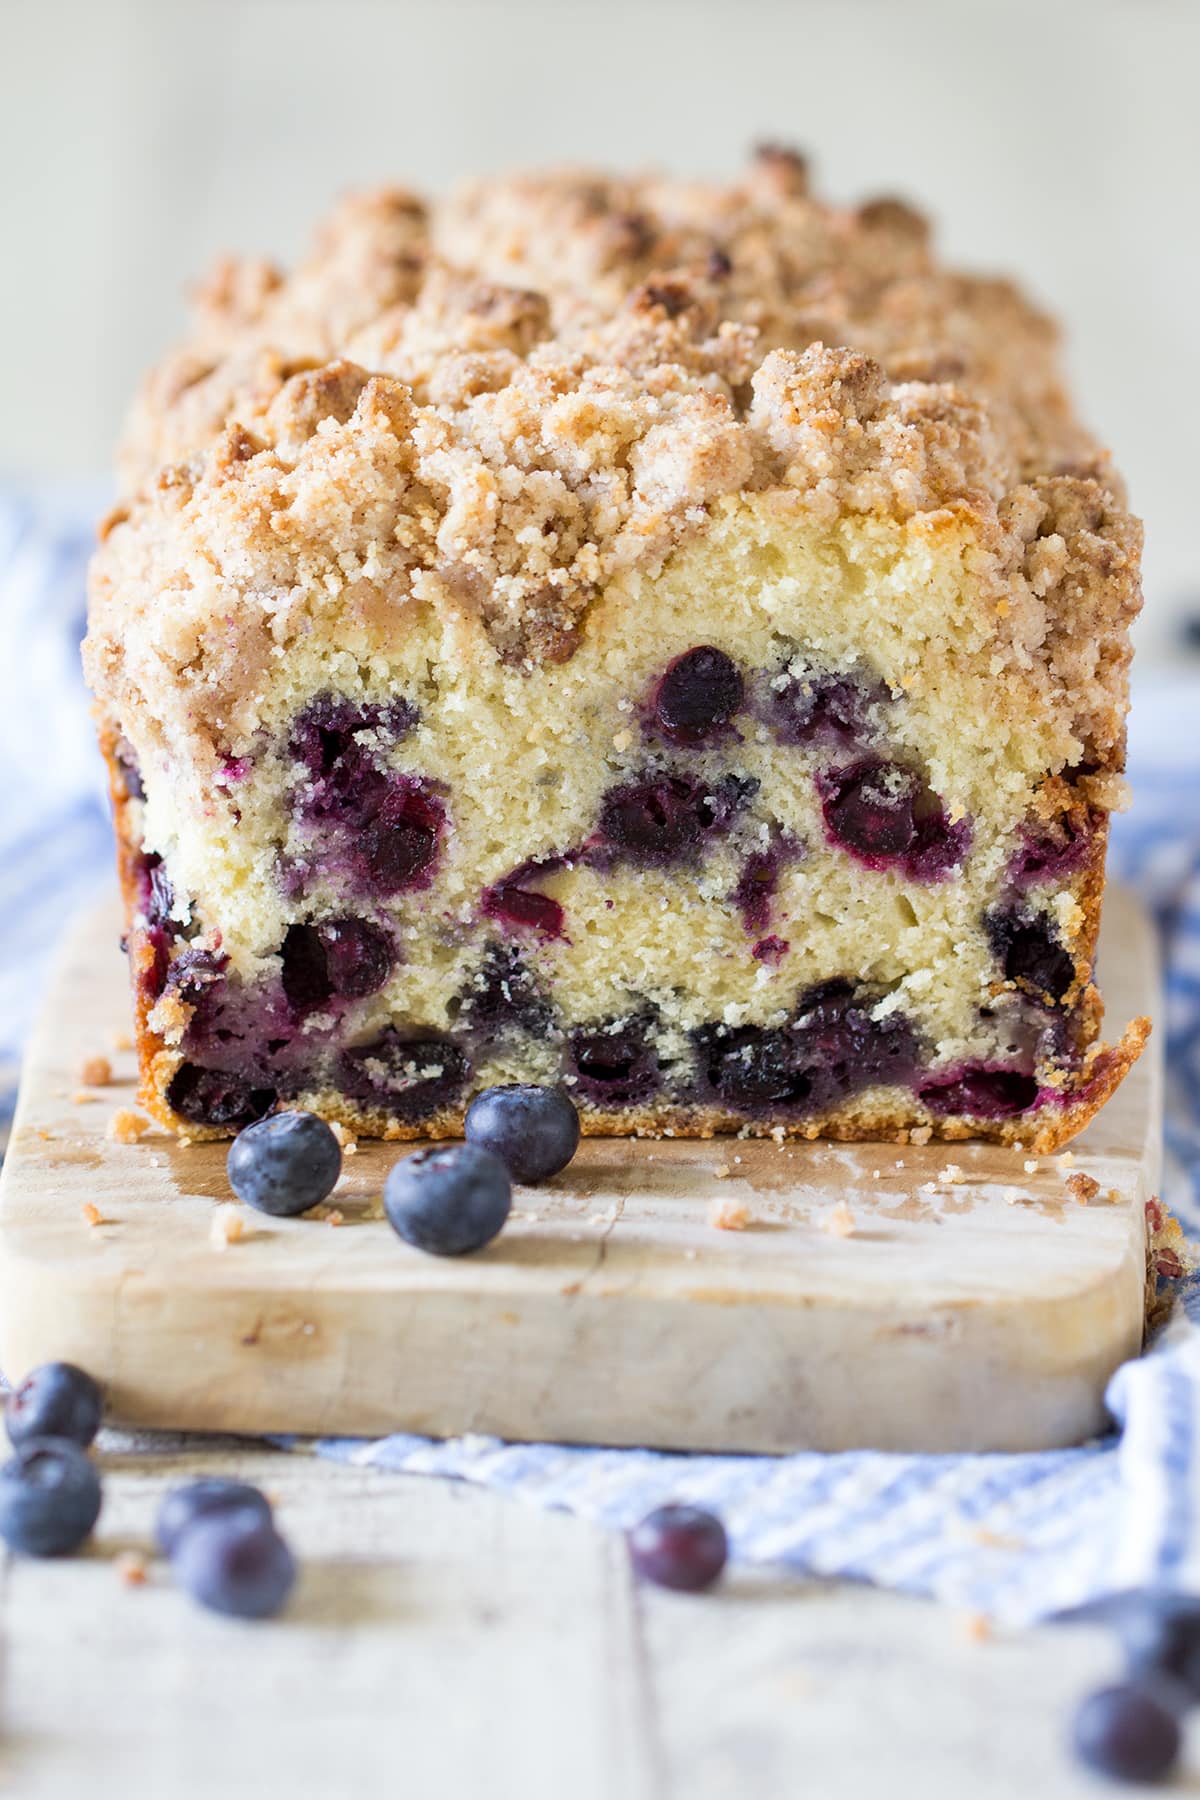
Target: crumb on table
(952,1175)
(121,1040)
(96,1071)
(1082,1188)
(91,1213)
(130,1565)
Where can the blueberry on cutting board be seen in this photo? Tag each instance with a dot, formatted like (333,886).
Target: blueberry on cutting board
(448,1200)
(285,1164)
(533,1130)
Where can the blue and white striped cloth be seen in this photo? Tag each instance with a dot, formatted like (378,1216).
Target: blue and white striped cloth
(1017,1537)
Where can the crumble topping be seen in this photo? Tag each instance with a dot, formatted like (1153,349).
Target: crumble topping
(496,404)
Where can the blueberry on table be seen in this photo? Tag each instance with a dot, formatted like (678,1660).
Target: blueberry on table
(49,1497)
(680,1547)
(1130,1731)
(236,1563)
(203,1499)
(285,1163)
(1160,1635)
(533,1130)
(448,1200)
(56,1400)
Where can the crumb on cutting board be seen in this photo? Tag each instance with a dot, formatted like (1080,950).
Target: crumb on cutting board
(347,1142)
(1082,1188)
(127,1126)
(728,1215)
(839,1221)
(95,1071)
(227,1225)
(92,1214)
(952,1175)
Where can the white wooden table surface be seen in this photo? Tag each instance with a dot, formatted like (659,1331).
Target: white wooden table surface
(445,1641)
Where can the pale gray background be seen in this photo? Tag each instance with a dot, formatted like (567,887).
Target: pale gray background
(1060,139)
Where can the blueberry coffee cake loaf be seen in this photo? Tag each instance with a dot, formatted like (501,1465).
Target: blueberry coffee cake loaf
(666,639)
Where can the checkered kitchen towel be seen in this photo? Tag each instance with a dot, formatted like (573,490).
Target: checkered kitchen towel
(1014,1536)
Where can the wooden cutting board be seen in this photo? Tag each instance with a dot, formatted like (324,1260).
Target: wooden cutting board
(864,1303)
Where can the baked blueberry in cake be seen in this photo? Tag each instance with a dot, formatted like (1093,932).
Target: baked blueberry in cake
(665,639)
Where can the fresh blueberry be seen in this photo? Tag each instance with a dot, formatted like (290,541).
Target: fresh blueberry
(699,694)
(449,1199)
(284,1164)
(235,1562)
(680,1547)
(58,1400)
(216,1097)
(1128,1731)
(183,1506)
(533,1130)
(49,1497)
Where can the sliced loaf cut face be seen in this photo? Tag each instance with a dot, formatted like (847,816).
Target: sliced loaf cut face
(603,682)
